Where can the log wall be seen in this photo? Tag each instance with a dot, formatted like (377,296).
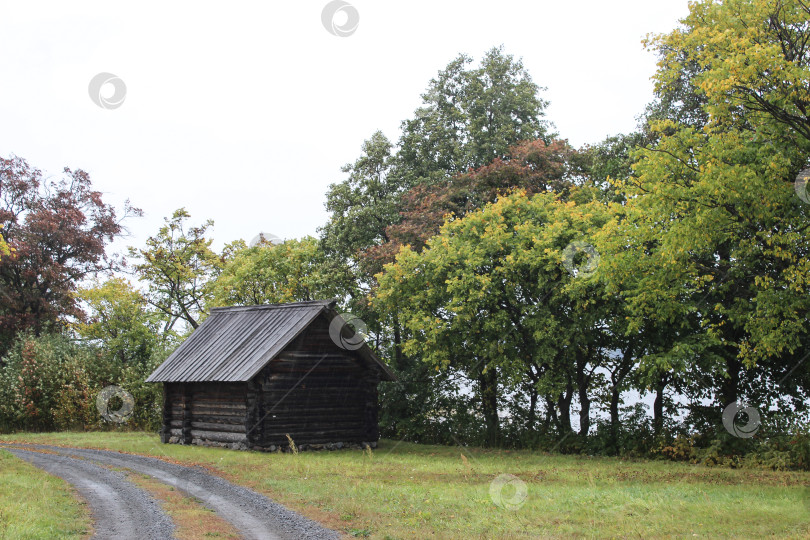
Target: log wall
(205,413)
(313,391)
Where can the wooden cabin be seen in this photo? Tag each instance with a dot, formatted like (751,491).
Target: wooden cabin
(250,376)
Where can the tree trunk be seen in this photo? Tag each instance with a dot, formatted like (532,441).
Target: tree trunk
(564,403)
(658,409)
(615,396)
(582,392)
(397,342)
(730,385)
(584,414)
(617,378)
(551,414)
(532,409)
(488,382)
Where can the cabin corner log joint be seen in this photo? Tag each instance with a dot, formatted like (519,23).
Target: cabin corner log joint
(250,376)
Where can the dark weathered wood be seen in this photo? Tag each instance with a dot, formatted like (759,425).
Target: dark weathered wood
(186,418)
(316,399)
(313,390)
(225,428)
(167,416)
(234,420)
(314,437)
(254,426)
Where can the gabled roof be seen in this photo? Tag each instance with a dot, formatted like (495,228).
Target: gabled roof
(234,344)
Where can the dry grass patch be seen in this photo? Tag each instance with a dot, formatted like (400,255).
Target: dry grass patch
(191,519)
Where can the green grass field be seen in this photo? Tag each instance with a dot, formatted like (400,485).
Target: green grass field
(403,490)
(35,505)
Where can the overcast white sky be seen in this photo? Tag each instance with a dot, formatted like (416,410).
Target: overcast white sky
(244,112)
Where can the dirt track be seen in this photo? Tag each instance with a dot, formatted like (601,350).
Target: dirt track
(252,514)
(120,509)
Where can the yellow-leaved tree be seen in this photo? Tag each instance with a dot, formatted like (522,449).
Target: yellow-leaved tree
(711,235)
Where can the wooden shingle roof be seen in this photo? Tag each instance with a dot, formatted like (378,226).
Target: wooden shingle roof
(233,344)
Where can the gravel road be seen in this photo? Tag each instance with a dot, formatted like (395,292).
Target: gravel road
(120,509)
(253,515)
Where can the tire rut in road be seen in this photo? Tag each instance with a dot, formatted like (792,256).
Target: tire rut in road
(253,515)
(120,509)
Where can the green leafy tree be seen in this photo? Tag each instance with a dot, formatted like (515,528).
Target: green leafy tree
(534,166)
(471,116)
(294,271)
(490,296)
(363,206)
(119,321)
(748,63)
(711,241)
(178,266)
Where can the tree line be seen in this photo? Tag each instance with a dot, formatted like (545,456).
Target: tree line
(525,291)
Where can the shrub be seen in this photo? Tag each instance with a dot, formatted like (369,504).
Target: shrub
(51,382)
(44,384)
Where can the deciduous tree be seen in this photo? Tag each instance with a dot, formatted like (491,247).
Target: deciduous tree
(119,321)
(712,239)
(178,266)
(490,295)
(57,231)
(471,116)
(294,271)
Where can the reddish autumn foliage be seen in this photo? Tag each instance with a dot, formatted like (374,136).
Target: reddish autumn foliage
(58,230)
(533,166)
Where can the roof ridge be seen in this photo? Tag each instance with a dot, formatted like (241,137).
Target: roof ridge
(275,306)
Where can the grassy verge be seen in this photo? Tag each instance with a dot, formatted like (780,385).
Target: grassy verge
(403,490)
(35,505)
